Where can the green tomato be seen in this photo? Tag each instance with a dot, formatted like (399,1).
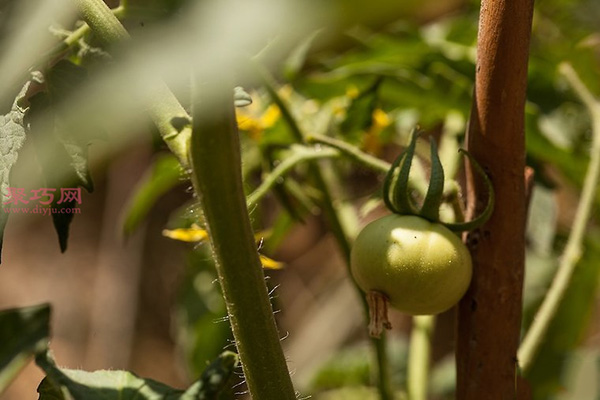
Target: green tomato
(419,266)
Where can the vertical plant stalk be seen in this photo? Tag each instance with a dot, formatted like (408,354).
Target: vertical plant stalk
(572,252)
(336,226)
(489,315)
(162,104)
(217,179)
(419,356)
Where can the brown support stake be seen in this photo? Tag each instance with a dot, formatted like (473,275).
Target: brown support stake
(489,315)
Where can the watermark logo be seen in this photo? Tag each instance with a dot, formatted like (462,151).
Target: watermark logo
(42,197)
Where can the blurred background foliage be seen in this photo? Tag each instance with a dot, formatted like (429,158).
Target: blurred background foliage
(367,77)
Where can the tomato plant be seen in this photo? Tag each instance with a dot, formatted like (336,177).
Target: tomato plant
(261,202)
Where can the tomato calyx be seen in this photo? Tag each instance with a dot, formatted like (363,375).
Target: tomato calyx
(397,191)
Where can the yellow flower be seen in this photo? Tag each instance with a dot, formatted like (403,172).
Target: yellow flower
(255,126)
(193,234)
(352,92)
(371,141)
(196,234)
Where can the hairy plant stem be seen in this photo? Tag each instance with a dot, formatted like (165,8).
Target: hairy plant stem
(73,37)
(217,180)
(335,224)
(162,104)
(572,252)
(419,356)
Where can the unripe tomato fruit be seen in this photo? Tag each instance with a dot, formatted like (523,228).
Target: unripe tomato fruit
(419,266)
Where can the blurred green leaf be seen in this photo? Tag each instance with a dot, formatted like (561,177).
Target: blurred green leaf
(67,384)
(23,333)
(350,393)
(348,367)
(164,174)
(12,137)
(278,231)
(61,152)
(582,371)
(295,61)
(352,366)
(442,383)
(565,125)
(203,329)
(54,161)
(359,116)
(63,79)
(569,325)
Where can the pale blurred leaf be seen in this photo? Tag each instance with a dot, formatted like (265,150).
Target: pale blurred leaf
(12,137)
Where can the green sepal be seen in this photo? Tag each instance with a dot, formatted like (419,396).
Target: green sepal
(489,208)
(435,192)
(401,189)
(387,184)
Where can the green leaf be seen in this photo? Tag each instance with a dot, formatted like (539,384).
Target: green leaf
(23,333)
(348,367)
(12,137)
(202,327)
(353,366)
(582,371)
(54,161)
(61,152)
(217,379)
(62,80)
(293,64)
(161,177)
(359,116)
(566,330)
(351,393)
(67,384)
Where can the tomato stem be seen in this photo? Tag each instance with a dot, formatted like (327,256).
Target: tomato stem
(217,180)
(378,313)
(162,105)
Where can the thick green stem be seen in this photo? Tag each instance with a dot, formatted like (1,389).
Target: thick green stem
(162,104)
(572,253)
(335,224)
(419,356)
(217,179)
